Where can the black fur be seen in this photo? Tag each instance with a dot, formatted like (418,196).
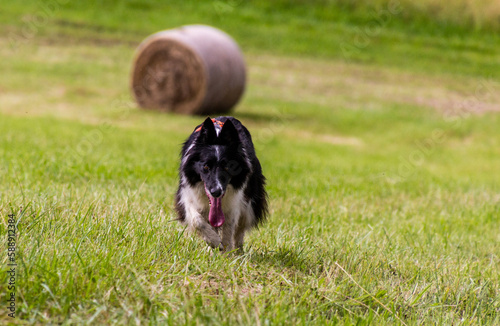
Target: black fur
(236,164)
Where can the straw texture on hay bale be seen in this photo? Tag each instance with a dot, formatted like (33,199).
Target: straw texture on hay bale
(193,69)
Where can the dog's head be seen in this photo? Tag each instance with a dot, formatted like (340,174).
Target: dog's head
(218,150)
(218,159)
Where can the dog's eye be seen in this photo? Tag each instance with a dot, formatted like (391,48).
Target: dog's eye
(206,168)
(226,168)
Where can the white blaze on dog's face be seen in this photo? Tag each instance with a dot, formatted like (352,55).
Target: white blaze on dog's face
(213,171)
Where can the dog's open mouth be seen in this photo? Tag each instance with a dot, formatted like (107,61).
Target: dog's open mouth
(215,216)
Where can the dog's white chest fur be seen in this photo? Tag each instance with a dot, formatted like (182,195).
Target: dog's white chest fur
(195,199)
(237,211)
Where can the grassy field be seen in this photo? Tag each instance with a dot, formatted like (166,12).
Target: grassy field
(381,149)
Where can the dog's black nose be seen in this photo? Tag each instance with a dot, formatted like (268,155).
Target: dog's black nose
(216,192)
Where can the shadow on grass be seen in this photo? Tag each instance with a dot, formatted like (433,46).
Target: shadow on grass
(291,258)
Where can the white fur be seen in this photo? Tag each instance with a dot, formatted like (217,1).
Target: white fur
(238,215)
(186,156)
(217,154)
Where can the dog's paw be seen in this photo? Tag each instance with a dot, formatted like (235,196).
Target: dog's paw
(228,248)
(220,246)
(215,242)
(213,250)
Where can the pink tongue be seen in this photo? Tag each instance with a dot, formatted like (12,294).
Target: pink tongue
(216,216)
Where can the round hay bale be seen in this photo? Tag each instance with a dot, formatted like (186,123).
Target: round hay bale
(194,69)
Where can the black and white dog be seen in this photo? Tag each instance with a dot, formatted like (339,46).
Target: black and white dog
(221,191)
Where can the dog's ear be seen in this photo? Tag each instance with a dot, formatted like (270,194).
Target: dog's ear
(229,135)
(207,132)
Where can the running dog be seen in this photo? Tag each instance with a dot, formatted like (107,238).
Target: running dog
(221,191)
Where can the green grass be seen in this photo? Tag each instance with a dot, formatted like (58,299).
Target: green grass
(405,38)
(383,209)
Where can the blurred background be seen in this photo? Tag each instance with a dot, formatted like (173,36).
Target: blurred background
(376,122)
(330,72)
(63,58)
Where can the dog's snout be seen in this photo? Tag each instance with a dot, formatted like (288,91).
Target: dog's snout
(216,192)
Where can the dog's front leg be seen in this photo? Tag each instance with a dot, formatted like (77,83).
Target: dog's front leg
(239,234)
(228,230)
(207,233)
(204,229)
